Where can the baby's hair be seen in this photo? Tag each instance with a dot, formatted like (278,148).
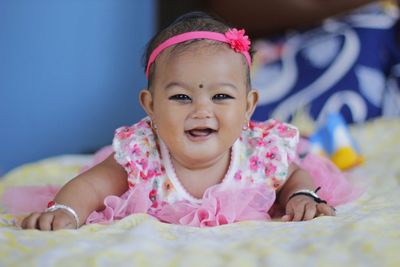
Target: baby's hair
(193,21)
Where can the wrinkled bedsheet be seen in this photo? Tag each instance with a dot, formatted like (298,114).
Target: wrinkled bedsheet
(364,233)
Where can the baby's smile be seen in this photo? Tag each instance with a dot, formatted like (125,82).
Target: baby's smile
(200,133)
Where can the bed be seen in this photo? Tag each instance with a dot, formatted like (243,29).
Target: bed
(364,233)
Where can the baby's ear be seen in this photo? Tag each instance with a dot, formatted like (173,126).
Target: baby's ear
(252,100)
(146,100)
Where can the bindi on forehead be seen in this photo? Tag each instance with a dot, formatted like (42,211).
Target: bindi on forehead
(201,85)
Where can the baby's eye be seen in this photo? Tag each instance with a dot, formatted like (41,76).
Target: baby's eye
(180,97)
(222,97)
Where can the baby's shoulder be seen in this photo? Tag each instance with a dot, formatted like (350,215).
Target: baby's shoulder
(266,150)
(141,129)
(270,132)
(140,134)
(136,141)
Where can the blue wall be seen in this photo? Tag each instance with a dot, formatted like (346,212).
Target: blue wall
(70,73)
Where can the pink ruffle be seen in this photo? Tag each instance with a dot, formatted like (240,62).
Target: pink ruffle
(135,200)
(221,206)
(218,206)
(336,188)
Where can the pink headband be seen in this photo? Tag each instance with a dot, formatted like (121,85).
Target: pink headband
(235,38)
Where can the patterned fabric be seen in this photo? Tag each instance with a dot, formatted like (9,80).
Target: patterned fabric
(348,64)
(261,155)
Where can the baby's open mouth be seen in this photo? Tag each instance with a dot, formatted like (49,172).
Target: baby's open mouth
(200,132)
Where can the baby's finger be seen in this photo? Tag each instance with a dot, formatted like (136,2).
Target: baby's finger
(310,211)
(45,220)
(63,221)
(30,221)
(325,209)
(289,213)
(287,217)
(298,213)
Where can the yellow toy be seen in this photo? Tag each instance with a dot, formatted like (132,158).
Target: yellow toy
(334,140)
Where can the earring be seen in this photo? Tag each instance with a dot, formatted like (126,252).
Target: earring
(246,125)
(153,125)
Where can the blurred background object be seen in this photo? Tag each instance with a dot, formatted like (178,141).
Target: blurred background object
(70,72)
(261,18)
(346,64)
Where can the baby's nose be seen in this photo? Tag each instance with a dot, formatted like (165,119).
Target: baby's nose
(202,110)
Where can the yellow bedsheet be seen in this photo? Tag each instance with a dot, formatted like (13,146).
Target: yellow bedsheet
(364,233)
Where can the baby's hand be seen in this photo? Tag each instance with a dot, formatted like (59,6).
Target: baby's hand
(49,221)
(304,208)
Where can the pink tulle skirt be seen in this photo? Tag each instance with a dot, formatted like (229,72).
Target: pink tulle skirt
(219,205)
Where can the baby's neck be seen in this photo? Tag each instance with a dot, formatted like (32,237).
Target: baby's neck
(197,180)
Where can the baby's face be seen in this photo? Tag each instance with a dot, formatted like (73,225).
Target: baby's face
(200,102)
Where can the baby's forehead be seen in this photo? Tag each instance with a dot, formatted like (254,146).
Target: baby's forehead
(194,47)
(207,59)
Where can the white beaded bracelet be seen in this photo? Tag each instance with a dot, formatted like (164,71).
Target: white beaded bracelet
(52,206)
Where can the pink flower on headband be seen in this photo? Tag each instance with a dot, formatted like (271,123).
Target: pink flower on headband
(238,40)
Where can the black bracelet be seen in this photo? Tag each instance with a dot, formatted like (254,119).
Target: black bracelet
(309,193)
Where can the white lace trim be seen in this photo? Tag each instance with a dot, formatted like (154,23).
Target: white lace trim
(170,170)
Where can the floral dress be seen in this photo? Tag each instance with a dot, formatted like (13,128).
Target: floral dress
(259,163)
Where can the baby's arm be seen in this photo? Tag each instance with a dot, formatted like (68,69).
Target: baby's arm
(300,207)
(84,194)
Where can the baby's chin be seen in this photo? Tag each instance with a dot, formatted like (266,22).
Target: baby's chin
(201,158)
